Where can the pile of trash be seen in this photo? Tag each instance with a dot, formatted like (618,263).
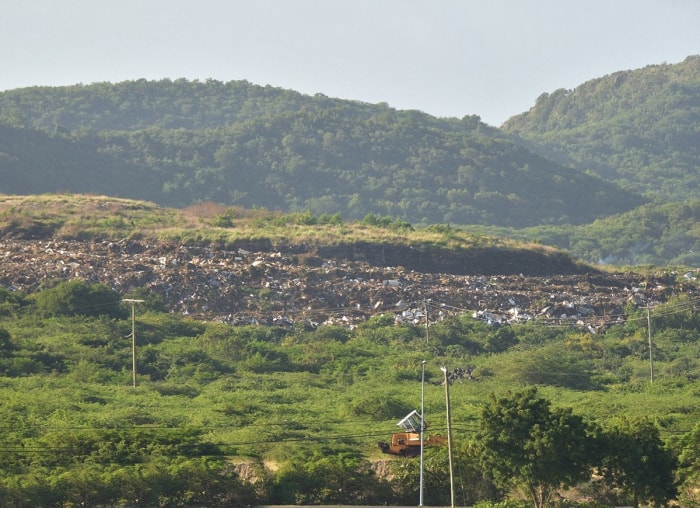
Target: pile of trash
(281,289)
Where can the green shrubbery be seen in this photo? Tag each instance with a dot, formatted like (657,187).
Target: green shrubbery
(77,297)
(211,397)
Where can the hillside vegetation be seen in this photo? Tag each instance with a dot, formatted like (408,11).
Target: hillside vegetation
(76,216)
(639,129)
(554,174)
(177,143)
(663,235)
(226,415)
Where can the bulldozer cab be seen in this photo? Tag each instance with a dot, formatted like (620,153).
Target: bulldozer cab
(412,422)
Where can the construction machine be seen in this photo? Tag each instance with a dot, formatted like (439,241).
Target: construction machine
(407,443)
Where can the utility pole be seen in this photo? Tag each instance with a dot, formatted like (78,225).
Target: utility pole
(422,430)
(133,336)
(651,353)
(449,438)
(427,323)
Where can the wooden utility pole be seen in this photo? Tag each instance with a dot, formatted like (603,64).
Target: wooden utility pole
(133,336)
(651,352)
(422,430)
(427,323)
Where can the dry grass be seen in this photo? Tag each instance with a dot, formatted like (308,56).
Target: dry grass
(89,216)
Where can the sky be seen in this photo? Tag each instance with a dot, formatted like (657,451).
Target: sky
(448,58)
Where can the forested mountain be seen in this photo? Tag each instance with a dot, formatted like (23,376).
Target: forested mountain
(608,170)
(640,128)
(181,142)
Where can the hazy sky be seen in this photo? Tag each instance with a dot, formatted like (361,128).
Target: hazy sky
(490,58)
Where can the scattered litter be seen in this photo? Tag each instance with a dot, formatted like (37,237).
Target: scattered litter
(244,287)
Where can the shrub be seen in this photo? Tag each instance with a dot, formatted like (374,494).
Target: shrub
(77,297)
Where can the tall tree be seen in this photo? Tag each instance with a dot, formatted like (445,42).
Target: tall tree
(637,462)
(532,447)
(689,467)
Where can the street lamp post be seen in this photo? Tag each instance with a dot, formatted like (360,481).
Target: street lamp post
(422,428)
(449,438)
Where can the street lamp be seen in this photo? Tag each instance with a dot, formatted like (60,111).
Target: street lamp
(422,428)
(449,438)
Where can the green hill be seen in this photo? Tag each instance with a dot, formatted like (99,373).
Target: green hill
(177,143)
(638,128)
(607,171)
(662,235)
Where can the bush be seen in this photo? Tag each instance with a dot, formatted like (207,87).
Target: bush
(77,297)
(551,365)
(10,302)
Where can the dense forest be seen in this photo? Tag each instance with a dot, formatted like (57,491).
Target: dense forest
(262,148)
(327,156)
(571,172)
(640,129)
